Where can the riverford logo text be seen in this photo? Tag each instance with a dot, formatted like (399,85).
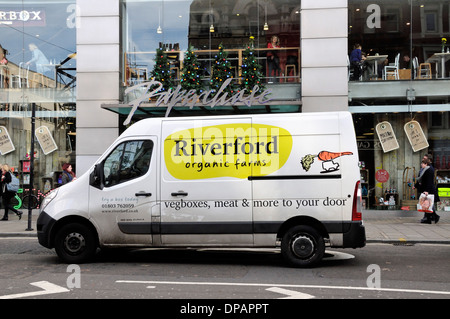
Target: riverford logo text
(235,150)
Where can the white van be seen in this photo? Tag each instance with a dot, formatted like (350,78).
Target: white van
(285,180)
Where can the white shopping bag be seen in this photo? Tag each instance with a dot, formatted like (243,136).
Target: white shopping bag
(426,203)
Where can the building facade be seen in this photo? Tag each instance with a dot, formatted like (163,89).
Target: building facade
(103,55)
(38,71)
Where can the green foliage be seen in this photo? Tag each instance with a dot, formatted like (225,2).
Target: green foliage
(190,74)
(221,71)
(161,70)
(251,70)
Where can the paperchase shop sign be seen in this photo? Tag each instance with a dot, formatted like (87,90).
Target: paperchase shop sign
(180,97)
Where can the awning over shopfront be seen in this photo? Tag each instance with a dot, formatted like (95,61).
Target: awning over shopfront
(152,110)
(146,101)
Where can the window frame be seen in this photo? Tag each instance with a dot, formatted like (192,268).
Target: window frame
(125,173)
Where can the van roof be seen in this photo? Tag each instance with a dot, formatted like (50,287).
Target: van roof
(311,122)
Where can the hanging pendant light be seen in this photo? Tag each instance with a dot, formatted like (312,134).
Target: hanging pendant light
(266,26)
(211,18)
(159,29)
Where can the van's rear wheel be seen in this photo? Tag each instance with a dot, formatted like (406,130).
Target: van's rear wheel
(302,246)
(75,243)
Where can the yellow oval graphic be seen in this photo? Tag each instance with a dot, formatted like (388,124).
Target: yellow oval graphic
(228,150)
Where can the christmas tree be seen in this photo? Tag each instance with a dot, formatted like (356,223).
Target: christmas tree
(190,74)
(161,70)
(221,71)
(251,69)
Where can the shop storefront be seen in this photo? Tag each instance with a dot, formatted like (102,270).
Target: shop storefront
(199,45)
(247,50)
(403,80)
(114,62)
(38,44)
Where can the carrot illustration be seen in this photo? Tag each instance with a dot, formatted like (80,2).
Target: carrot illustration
(325,157)
(329,156)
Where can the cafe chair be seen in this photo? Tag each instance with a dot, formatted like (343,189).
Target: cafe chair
(392,70)
(424,71)
(290,68)
(350,70)
(415,63)
(17,79)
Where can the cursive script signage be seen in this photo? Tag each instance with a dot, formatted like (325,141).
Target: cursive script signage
(180,97)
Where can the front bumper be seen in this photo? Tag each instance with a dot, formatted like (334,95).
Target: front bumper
(44,226)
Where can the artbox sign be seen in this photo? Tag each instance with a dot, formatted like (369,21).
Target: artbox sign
(17,18)
(180,97)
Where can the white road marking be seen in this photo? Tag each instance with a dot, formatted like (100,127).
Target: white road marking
(416,291)
(291,294)
(336,255)
(48,287)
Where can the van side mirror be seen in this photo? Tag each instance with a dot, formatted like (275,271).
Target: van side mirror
(96,179)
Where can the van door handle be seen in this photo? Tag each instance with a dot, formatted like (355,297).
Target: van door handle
(179,193)
(143,194)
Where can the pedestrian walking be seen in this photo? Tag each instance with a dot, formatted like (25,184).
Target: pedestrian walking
(425,184)
(68,174)
(8,192)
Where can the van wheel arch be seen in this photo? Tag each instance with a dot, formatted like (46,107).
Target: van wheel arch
(302,220)
(83,225)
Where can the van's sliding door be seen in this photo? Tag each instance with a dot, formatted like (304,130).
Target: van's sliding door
(205,191)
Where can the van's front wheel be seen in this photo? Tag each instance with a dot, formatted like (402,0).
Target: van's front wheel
(302,246)
(75,243)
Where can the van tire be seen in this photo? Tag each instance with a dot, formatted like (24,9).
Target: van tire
(302,246)
(75,243)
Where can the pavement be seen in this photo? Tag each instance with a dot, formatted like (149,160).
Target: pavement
(382,226)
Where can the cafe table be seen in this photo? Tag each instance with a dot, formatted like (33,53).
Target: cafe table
(373,61)
(439,59)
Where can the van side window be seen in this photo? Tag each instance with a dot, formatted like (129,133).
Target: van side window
(127,161)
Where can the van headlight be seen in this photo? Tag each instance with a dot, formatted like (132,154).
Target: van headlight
(48,198)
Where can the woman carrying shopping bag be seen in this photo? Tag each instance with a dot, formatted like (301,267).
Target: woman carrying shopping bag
(425,184)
